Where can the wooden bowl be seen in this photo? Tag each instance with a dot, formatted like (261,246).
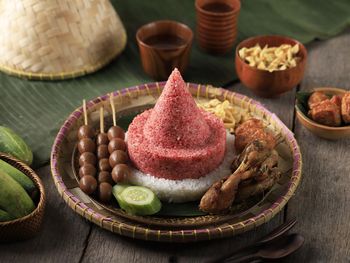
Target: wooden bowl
(323,131)
(159,59)
(270,84)
(28,226)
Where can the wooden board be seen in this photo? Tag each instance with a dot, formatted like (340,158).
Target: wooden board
(321,203)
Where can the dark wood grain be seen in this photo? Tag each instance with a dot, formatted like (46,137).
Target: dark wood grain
(61,238)
(321,203)
(113,247)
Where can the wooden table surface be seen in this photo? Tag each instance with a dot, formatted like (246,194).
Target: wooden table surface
(321,203)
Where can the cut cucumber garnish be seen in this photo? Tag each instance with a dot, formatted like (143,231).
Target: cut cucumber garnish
(137,200)
(119,188)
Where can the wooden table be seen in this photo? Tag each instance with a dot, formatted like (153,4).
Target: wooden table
(321,203)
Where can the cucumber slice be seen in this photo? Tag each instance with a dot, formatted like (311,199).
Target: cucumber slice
(138,200)
(118,189)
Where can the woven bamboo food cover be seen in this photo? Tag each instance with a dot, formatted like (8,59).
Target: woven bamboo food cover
(171,229)
(58,39)
(28,226)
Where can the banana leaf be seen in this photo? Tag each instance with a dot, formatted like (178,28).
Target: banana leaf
(302,99)
(36,109)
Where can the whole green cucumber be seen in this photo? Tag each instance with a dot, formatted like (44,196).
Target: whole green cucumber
(14,145)
(13,198)
(20,177)
(4,216)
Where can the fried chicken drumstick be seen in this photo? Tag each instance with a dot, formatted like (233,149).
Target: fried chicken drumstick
(256,165)
(250,130)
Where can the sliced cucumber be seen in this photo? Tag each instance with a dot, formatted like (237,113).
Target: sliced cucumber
(119,188)
(137,200)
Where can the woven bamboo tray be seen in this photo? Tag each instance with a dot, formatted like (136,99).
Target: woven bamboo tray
(58,39)
(185,229)
(28,226)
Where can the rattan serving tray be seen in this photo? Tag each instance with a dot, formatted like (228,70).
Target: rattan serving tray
(172,229)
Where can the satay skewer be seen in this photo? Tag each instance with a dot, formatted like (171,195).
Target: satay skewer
(117,148)
(87,158)
(113,109)
(102,125)
(85,113)
(104,179)
(102,150)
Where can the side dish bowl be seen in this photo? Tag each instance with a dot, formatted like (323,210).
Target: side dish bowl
(270,84)
(323,131)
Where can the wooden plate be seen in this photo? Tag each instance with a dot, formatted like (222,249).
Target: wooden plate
(172,229)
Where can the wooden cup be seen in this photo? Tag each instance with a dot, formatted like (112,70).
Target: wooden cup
(215,25)
(159,59)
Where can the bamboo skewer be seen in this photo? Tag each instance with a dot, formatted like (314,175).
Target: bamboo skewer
(113,109)
(85,113)
(102,124)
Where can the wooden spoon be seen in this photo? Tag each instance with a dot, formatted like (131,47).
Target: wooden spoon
(283,247)
(270,237)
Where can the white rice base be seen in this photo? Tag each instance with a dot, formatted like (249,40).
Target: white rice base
(179,191)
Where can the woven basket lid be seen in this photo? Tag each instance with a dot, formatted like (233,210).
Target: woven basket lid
(59,38)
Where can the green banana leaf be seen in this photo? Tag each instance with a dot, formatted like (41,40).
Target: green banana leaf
(36,109)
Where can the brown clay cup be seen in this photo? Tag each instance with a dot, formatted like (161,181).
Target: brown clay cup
(217,24)
(270,84)
(171,50)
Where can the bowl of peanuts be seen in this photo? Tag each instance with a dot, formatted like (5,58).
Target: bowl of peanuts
(270,65)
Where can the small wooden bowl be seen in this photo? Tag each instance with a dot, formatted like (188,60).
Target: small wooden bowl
(323,131)
(159,62)
(270,84)
(28,226)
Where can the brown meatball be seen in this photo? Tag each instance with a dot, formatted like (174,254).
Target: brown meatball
(326,112)
(345,108)
(315,98)
(250,130)
(85,131)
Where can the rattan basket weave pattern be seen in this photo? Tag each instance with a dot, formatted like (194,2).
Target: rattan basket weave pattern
(28,226)
(58,39)
(141,95)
